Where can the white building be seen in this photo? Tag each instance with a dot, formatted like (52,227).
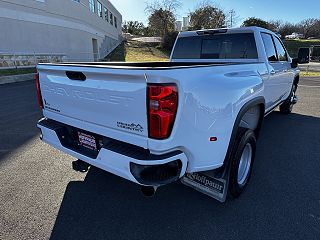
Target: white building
(178,26)
(186,23)
(81,30)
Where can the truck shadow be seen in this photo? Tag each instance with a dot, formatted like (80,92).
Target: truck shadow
(104,206)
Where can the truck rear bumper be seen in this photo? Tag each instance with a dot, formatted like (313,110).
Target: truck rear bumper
(122,159)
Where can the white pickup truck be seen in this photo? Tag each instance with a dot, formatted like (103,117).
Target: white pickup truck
(196,118)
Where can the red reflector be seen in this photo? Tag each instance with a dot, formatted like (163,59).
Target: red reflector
(162,109)
(213,139)
(38,91)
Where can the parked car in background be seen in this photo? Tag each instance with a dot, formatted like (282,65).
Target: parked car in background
(294,36)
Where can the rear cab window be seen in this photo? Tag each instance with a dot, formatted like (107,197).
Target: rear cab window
(217,46)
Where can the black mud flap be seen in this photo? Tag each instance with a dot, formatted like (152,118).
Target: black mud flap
(207,183)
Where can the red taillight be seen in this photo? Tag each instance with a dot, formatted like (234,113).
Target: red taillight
(38,91)
(162,109)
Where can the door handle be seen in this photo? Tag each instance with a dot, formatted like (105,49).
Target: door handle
(79,76)
(272,72)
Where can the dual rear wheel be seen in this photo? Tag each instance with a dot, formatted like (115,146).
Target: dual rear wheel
(242,154)
(242,158)
(244,150)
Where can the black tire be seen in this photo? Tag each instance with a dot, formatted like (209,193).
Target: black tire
(244,138)
(287,106)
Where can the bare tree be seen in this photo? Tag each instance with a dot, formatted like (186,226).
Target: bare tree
(168,5)
(288,28)
(309,27)
(275,25)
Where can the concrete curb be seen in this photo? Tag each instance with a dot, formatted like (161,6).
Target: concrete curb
(309,69)
(16,78)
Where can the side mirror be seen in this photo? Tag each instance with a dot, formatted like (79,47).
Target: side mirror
(294,63)
(304,55)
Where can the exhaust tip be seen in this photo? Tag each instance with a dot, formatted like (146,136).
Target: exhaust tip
(80,166)
(148,191)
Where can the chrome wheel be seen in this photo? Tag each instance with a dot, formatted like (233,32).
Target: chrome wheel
(245,165)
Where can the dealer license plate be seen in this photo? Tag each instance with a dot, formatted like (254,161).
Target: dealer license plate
(87,141)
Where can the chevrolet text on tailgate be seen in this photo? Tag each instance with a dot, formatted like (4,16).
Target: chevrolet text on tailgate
(196,118)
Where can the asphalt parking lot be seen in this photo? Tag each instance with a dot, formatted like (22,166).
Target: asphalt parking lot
(41,197)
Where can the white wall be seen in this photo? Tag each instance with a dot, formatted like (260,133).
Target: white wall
(55,26)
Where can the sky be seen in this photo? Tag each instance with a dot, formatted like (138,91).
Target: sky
(286,10)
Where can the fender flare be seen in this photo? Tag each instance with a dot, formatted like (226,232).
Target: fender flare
(224,170)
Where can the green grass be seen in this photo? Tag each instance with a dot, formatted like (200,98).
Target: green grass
(294,45)
(134,51)
(16,71)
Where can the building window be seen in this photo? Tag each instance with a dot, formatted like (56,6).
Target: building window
(99,9)
(111,18)
(91,5)
(115,22)
(106,14)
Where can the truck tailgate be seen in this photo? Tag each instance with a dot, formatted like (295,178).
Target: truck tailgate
(113,99)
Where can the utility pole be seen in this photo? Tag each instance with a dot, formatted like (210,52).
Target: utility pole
(232,15)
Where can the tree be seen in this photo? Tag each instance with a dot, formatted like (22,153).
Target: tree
(133,27)
(161,22)
(310,27)
(287,29)
(147,32)
(169,40)
(255,22)
(169,5)
(275,25)
(207,16)
(162,16)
